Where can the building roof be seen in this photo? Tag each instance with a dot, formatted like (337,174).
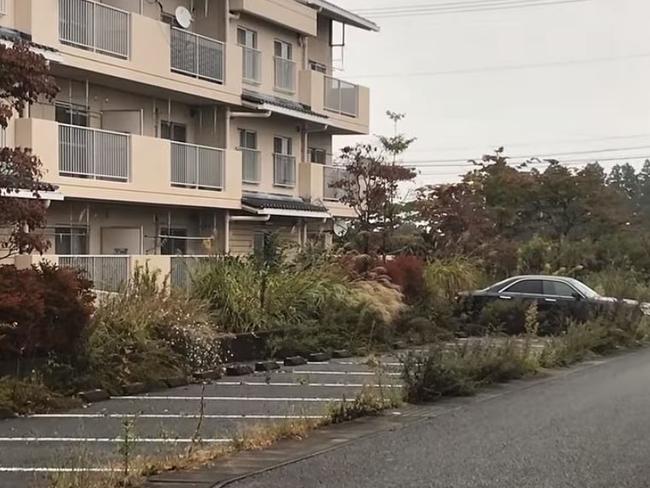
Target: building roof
(341,15)
(265,204)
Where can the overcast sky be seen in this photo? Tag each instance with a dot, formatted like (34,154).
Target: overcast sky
(596,96)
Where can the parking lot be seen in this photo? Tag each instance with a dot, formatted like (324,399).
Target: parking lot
(89,438)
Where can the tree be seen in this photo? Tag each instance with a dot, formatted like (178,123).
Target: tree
(24,78)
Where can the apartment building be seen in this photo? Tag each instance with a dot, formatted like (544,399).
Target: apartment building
(185,127)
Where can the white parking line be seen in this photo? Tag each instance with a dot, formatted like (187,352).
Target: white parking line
(169,416)
(142,440)
(349,373)
(231,399)
(353,363)
(11,469)
(316,385)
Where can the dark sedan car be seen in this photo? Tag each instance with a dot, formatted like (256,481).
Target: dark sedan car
(550,292)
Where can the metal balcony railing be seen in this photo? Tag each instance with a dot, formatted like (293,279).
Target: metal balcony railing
(94,153)
(284,170)
(341,97)
(285,74)
(108,273)
(331,175)
(3,7)
(196,55)
(251,167)
(252,65)
(199,167)
(95,26)
(183,268)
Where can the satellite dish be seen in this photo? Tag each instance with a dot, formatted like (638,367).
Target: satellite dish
(341,227)
(183,17)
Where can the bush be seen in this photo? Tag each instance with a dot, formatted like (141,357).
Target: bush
(31,395)
(619,283)
(43,310)
(445,278)
(408,273)
(147,332)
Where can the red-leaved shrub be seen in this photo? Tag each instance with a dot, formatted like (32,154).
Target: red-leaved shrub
(408,273)
(42,310)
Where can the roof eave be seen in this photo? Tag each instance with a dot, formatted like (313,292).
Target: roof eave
(341,15)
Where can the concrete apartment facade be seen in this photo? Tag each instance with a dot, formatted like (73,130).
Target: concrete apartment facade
(167,141)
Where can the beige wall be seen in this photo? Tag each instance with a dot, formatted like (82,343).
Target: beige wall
(150,172)
(287,13)
(319,49)
(242,234)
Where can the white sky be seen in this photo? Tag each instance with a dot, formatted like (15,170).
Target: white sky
(573,107)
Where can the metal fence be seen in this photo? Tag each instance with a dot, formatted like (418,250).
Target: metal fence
(332,174)
(197,166)
(341,97)
(183,268)
(3,7)
(94,153)
(252,64)
(95,26)
(251,168)
(108,273)
(285,74)
(196,55)
(284,170)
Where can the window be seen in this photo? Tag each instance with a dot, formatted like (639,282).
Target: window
(283,50)
(316,66)
(247,139)
(173,131)
(70,240)
(246,38)
(170,246)
(283,145)
(558,289)
(317,155)
(69,113)
(529,287)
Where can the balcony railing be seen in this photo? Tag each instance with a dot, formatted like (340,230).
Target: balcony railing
(3,7)
(199,167)
(94,153)
(331,175)
(251,167)
(252,65)
(196,55)
(108,273)
(94,26)
(285,74)
(284,170)
(341,97)
(183,268)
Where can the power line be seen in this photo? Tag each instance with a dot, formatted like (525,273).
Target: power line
(471,8)
(434,5)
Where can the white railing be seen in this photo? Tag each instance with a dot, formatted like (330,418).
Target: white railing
(200,167)
(94,153)
(285,74)
(108,273)
(183,268)
(341,97)
(196,55)
(251,167)
(252,65)
(3,7)
(331,175)
(284,170)
(94,26)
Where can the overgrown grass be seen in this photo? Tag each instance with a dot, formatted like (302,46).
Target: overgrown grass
(31,395)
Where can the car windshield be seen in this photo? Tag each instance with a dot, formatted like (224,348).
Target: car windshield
(584,289)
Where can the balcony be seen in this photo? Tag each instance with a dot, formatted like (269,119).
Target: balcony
(199,167)
(346,105)
(95,26)
(331,175)
(287,13)
(104,165)
(197,56)
(285,75)
(252,65)
(284,170)
(251,166)
(94,153)
(108,273)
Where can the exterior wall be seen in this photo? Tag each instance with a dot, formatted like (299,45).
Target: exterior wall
(287,13)
(266,130)
(319,48)
(242,234)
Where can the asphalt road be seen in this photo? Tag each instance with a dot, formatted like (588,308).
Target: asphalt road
(586,429)
(32,448)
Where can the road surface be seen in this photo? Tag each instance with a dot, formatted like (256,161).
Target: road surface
(586,429)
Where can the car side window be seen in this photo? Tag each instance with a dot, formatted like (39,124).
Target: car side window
(529,287)
(558,289)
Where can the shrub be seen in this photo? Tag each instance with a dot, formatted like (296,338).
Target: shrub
(408,273)
(147,332)
(43,310)
(533,257)
(445,278)
(619,283)
(31,395)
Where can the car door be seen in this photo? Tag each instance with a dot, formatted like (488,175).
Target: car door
(560,296)
(527,289)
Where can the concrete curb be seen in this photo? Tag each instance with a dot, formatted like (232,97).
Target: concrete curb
(93,396)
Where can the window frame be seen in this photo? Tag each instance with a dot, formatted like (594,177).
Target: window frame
(246,132)
(60,235)
(506,290)
(254,37)
(283,44)
(562,283)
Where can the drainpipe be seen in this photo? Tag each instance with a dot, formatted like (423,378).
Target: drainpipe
(249,218)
